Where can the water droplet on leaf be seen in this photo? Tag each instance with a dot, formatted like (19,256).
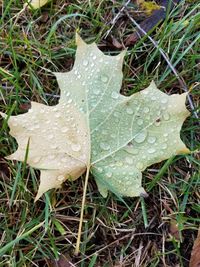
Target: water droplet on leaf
(141,136)
(104,78)
(69,101)
(139,165)
(36,159)
(164,100)
(129,160)
(100,169)
(76,147)
(104,146)
(151,139)
(140,122)
(109,174)
(166,116)
(129,111)
(61,178)
(151,150)
(114,95)
(96,91)
(64,130)
(164,146)
(85,62)
(146,110)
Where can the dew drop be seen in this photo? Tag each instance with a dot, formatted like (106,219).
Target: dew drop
(64,130)
(100,169)
(104,146)
(158,112)
(58,115)
(119,164)
(36,159)
(116,114)
(104,78)
(61,178)
(166,116)
(114,95)
(139,165)
(146,110)
(85,62)
(129,160)
(144,92)
(139,122)
(67,93)
(96,91)
(164,146)
(109,174)
(151,150)
(69,101)
(76,147)
(141,137)
(128,183)
(164,100)
(153,98)
(129,111)
(151,139)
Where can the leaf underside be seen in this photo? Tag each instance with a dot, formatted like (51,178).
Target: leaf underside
(96,127)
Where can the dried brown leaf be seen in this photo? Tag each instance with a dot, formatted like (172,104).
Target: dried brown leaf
(195,255)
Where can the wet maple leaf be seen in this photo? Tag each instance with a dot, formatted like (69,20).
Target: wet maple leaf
(94,127)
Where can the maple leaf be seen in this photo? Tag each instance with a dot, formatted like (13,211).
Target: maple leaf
(96,128)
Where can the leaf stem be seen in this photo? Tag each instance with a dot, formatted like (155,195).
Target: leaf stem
(82,212)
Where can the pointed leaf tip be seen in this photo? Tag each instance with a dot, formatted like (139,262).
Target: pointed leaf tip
(121,56)
(79,40)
